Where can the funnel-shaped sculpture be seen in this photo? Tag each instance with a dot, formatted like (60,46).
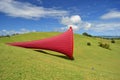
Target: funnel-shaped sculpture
(62,43)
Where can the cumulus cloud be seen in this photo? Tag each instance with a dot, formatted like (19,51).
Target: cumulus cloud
(87,26)
(75,19)
(99,27)
(10,32)
(75,22)
(26,10)
(103,27)
(111,15)
(106,28)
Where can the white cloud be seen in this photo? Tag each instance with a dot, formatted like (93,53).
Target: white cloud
(98,27)
(23,30)
(10,32)
(75,22)
(103,27)
(26,10)
(4,30)
(111,15)
(78,23)
(33,30)
(75,19)
(74,27)
(87,26)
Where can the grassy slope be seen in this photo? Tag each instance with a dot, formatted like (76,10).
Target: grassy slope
(91,62)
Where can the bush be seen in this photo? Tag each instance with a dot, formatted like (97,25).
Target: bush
(7,36)
(107,46)
(104,45)
(86,34)
(112,41)
(88,43)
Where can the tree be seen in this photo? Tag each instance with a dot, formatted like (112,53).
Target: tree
(86,34)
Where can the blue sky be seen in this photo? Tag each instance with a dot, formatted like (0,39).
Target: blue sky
(97,17)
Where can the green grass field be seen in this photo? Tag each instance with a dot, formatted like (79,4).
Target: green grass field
(91,62)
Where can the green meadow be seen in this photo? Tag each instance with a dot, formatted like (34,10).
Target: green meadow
(90,62)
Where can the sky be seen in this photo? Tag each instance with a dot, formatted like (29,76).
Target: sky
(96,17)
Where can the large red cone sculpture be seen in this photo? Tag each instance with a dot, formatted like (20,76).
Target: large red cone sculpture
(62,43)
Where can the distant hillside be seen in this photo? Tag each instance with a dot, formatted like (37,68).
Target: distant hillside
(91,62)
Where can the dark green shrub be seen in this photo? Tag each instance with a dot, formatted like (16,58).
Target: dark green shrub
(88,43)
(100,44)
(7,36)
(112,41)
(107,46)
(104,45)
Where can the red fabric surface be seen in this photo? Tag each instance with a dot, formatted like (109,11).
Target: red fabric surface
(62,43)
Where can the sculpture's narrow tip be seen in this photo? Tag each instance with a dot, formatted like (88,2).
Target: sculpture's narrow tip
(70,27)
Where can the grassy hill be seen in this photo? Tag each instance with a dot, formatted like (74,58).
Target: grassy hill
(91,62)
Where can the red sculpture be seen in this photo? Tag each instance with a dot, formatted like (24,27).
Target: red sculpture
(62,43)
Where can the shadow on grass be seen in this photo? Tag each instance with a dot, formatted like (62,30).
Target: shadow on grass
(64,57)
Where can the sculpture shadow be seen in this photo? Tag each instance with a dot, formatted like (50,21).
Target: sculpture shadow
(44,52)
